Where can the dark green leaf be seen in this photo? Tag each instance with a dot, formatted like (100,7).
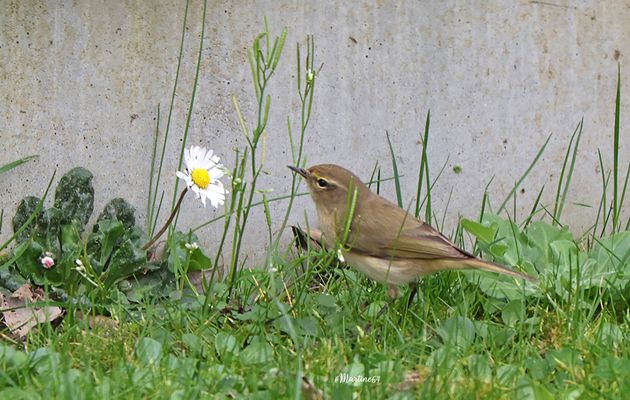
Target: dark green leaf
(126,261)
(27,206)
(74,197)
(119,209)
(457,331)
(198,261)
(258,352)
(225,344)
(148,350)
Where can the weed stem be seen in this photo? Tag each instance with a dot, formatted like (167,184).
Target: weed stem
(168,222)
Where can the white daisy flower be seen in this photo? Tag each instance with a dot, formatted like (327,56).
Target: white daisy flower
(191,246)
(202,175)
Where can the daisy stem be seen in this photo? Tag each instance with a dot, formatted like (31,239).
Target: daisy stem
(168,222)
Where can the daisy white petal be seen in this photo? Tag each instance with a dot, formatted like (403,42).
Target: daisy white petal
(202,175)
(181,175)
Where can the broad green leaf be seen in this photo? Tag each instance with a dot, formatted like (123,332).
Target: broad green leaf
(198,261)
(45,361)
(126,261)
(120,210)
(374,308)
(502,286)
(565,358)
(353,372)
(509,245)
(612,368)
(148,350)
(513,312)
(258,352)
(611,334)
(507,374)
(110,232)
(457,331)
(539,368)
(326,300)
(444,358)
(479,367)
(179,254)
(564,255)
(614,252)
(193,342)
(30,267)
(12,358)
(74,197)
(540,235)
(498,250)
(484,233)
(527,389)
(308,326)
(25,209)
(226,344)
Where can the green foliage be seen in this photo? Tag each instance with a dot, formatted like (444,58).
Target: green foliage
(112,252)
(565,265)
(120,210)
(27,206)
(184,251)
(110,255)
(74,197)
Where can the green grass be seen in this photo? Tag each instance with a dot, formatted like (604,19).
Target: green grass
(262,330)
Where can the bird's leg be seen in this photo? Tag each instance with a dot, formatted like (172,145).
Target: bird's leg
(301,237)
(392,292)
(414,290)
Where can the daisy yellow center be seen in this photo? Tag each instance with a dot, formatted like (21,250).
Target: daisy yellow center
(200,177)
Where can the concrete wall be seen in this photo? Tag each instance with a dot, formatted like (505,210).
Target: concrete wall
(80,82)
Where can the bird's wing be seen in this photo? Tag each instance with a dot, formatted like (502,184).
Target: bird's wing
(414,239)
(423,242)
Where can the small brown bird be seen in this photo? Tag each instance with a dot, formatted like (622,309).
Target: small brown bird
(383,241)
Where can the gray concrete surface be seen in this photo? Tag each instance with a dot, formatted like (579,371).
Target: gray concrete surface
(81,80)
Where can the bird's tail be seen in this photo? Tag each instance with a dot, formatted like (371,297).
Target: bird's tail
(478,263)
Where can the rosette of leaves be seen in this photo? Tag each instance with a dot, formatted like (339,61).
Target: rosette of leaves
(180,258)
(564,267)
(111,252)
(114,248)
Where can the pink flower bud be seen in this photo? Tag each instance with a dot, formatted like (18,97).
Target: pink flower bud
(47,262)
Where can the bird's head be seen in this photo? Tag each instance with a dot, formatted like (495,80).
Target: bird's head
(329,184)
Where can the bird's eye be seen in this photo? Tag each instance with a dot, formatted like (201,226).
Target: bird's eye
(322,183)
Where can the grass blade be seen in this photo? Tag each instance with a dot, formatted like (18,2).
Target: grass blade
(190,107)
(396,174)
(623,193)
(616,153)
(562,184)
(16,163)
(522,178)
(152,192)
(601,210)
(168,125)
(424,163)
(534,208)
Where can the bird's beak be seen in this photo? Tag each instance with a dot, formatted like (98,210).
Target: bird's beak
(299,170)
